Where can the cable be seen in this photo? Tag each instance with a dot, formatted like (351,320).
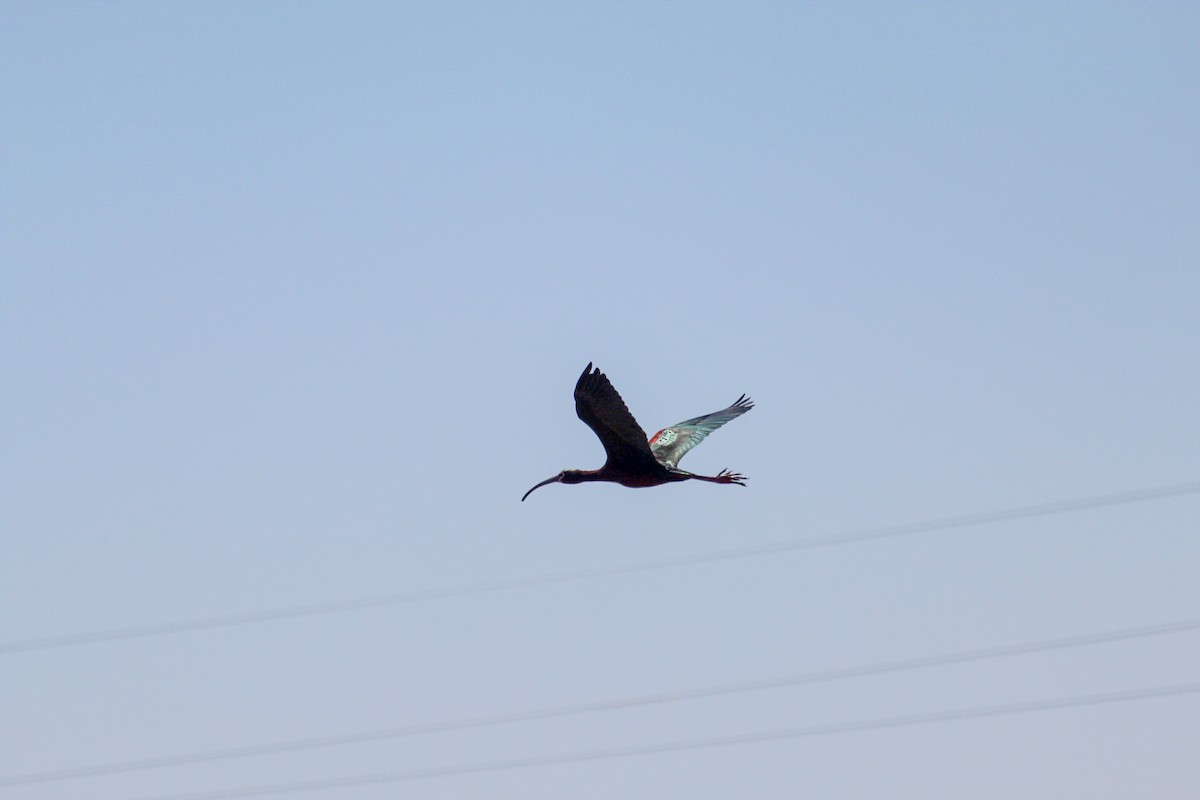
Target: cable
(487,587)
(809,731)
(899,665)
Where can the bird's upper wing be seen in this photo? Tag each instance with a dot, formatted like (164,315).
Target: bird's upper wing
(670,444)
(598,404)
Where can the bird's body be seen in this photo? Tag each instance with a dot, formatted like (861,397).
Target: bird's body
(634,459)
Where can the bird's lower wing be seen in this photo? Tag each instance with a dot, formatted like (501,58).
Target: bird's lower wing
(671,444)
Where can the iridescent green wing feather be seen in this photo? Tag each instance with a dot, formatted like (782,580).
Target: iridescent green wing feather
(671,444)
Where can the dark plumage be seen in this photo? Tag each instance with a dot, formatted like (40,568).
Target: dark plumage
(633,460)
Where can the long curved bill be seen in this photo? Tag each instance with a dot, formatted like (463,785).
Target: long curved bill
(543,483)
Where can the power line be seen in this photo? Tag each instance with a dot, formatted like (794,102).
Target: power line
(810,731)
(487,587)
(899,665)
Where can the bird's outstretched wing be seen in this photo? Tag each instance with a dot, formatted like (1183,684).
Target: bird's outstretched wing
(598,404)
(670,444)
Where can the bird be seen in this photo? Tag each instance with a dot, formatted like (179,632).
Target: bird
(634,459)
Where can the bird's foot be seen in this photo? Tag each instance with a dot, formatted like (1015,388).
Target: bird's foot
(725,476)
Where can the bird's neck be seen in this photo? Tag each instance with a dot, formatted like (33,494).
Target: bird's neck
(582,475)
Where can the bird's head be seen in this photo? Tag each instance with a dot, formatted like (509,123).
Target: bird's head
(566,476)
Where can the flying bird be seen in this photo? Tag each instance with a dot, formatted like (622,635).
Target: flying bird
(634,460)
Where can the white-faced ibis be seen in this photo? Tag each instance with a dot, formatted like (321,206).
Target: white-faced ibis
(632,459)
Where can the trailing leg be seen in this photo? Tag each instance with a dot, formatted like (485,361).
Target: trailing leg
(724,476)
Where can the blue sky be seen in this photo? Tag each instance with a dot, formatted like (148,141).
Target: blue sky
(293,297)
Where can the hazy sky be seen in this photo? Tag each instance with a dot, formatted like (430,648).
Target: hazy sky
(293,297)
